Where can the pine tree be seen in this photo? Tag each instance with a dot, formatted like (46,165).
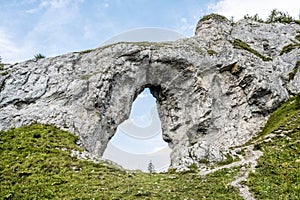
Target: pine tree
(151,168)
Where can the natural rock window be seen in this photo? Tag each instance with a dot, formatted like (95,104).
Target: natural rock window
(138,140)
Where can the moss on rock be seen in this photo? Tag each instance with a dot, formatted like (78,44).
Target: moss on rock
(213,16)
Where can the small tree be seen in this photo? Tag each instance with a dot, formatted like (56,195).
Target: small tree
(38,56)
(151,168)
(279,16)
(254,17)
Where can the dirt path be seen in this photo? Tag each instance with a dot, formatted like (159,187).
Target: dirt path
(248,163)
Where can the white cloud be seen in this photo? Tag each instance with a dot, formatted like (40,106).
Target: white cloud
(51,32)
(144,95)
(186,25)
(238,8)
(184,20)
(46,4)
(8,49)
(106,5)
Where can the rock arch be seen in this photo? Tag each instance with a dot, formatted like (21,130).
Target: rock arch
(211,93)
(174,86)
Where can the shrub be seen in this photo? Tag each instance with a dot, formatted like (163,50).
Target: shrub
(254,17)
(193,168)
(279,16)
(4,73)
(275,16)
(39,56)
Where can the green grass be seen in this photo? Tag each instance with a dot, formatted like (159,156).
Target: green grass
(279,117)
(34,166)
(277,174)
(297,37)
(4,73)
(239,44)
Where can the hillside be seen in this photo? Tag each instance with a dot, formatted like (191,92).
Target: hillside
(36,163)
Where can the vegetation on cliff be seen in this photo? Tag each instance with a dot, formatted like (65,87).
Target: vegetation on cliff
(274,16)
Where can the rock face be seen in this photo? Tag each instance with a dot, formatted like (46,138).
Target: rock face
(214,90)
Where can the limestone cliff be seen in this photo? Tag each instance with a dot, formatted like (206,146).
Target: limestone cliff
(214,90)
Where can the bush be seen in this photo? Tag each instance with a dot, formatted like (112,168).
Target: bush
(39,56)
(193,168)
(275,16)
(279,16)
(255,18)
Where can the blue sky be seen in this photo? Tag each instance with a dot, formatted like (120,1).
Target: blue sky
(54,27)
(139,139)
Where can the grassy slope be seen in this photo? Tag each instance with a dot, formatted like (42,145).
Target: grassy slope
(34,166)
(277,174)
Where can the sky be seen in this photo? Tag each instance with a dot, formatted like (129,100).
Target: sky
(138,140)
(54,27)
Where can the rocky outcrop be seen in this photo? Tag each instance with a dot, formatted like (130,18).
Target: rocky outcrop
(214,90)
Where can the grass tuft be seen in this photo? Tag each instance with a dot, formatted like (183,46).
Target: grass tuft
(289,48)
(214,16)
(211,52)
(239,44)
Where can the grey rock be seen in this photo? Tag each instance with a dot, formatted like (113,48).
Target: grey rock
(210,95)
